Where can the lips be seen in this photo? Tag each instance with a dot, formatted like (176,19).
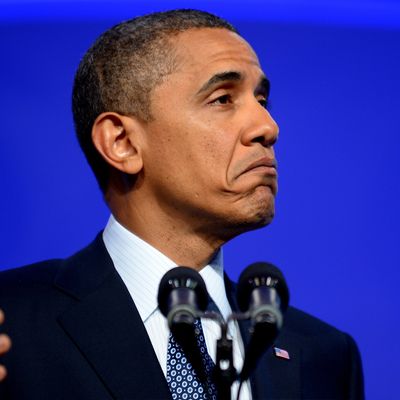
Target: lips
(266,167)
(264,164)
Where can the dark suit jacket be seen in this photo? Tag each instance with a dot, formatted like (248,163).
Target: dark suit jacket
(77,335)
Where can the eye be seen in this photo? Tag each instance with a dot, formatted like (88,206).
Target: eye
(266,103)
(221,100)
(263,102)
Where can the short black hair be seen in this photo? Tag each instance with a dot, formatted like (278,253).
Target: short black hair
(122,67)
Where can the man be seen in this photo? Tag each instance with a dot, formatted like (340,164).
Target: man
(170,112)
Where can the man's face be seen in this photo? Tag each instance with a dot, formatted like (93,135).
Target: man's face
(208,155)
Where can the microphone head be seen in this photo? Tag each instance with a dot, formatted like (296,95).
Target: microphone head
(182,294)
(182,278)
(257,275)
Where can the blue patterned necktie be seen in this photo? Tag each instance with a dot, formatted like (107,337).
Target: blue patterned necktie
(182,379)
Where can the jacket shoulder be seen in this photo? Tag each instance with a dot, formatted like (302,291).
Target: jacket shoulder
(43,271)
(325,340)
(37,275)
(325,348)
(307,324)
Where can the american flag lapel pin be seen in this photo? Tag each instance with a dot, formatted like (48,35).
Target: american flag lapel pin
(281,353)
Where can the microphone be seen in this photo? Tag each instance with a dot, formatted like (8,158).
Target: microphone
(182,294)
(182,298)
(264,295)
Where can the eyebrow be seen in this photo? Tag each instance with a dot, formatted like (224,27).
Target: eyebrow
(235,76)
(228,76)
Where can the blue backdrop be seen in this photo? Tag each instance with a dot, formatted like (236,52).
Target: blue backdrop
(336,95)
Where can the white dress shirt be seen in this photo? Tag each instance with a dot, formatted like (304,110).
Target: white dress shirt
(141,267)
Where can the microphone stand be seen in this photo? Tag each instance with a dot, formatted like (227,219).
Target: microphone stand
(225,373)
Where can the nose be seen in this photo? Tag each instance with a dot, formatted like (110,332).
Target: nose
(260,128)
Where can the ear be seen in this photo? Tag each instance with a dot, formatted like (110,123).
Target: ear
(118,139)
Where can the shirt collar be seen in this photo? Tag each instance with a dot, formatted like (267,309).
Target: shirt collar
(141,267)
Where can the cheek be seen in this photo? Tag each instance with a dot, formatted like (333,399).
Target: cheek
(217,146)
(198,153)
(216,157)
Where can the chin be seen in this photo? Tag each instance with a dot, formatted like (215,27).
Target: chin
(251,212)
(260,208)
(250,219)
(261,219)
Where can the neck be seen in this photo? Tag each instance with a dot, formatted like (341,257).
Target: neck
(179,240)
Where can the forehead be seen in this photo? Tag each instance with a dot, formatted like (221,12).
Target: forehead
(203,51)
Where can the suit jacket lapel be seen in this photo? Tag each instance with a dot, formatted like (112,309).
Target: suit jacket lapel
(106,327)
(274,377)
